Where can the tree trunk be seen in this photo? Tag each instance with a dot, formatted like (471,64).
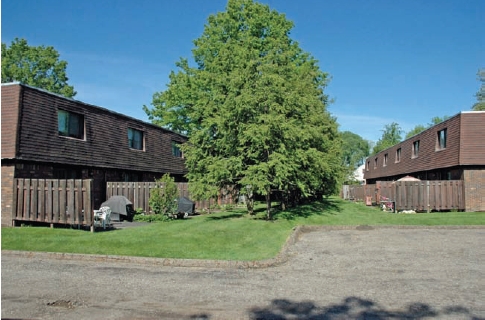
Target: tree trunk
(250,205)
(284,198)
(250,201)
(268,205)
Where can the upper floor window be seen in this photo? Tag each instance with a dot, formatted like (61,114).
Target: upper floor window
(385,160)
(176,149)
(441,140)
(135,139)
(367,166)
(70,124)
(131,176)
(415,148)
(398,155)
(375,162)
(66,173)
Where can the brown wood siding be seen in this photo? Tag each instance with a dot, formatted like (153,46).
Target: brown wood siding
(106,137)
(472,146)
(457,152)
(10,119)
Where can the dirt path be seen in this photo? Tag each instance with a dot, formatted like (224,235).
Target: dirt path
(364,273)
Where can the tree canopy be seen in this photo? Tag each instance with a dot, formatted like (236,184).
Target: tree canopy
(354,151)
(420,128)
(391,135)
(35,66)
(480,105)
(414,131)
(254,108)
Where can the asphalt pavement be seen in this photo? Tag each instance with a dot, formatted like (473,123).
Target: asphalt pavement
(329,273)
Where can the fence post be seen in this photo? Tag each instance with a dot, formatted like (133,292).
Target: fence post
(427,196)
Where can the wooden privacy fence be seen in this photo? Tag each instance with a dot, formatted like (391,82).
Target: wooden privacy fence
(139,194)
(52,201)
(423,195)
(358,192)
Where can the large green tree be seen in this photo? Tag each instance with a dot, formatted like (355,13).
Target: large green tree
(254,108)
(480,105)
(391,135)
(35,66)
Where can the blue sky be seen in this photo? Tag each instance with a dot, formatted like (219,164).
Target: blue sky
(390,60)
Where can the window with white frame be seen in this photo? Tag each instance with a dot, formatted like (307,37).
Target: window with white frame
(415,149)
(441,140)
(135,139)
(385,160)
(398,155)
(70,124)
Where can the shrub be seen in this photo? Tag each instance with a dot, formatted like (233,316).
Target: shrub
(151,218)
(163,198)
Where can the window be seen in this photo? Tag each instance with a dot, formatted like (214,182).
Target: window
(385,160)
(398,155)
(367,166)
(375,162)
(135,139)
(441,141)
(176,149)
(415,148)
(66,173)
(70,124)
(131,176)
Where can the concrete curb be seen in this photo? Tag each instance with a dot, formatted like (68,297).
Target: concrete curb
(281,258)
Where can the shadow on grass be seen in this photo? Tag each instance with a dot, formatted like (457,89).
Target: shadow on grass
(353,308)
(327,206)
(226,216)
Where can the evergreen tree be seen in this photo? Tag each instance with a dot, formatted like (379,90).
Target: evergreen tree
(254,107)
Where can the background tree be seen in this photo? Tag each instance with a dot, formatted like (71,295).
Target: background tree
(436,120)
(480,105)
(417,129)
(391,135)
(354,151)
(254,107)
(35,66)
(420,128)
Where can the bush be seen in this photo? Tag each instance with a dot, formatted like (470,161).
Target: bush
(151,218)
(163,198)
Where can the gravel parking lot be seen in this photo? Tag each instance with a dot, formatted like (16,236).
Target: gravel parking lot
(329,273)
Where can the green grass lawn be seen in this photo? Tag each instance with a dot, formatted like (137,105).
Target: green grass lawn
(231,235)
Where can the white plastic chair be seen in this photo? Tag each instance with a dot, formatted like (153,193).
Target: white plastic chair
(102,216)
